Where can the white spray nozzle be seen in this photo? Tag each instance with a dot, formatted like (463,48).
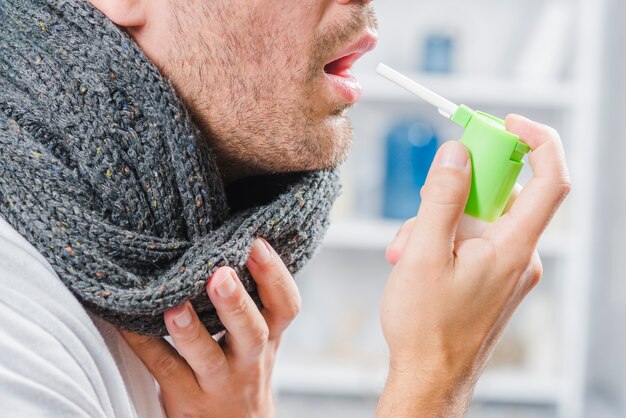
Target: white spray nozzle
(445,106)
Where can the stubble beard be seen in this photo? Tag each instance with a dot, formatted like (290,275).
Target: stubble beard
(252,128)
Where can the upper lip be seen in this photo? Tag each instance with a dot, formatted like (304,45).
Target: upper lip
(365,43)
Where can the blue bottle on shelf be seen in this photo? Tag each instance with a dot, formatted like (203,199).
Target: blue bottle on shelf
(411,148)
(438,55)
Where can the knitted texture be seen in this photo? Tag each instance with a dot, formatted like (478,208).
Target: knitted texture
(104,172)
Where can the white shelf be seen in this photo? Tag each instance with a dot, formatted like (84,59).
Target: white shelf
(326,378)
(376,235)
(518,387)
(474,91)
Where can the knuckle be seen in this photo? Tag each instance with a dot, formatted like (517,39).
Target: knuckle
(535,272)
(292,301)
(278,281)
(260,338)
(144,341)
(535,278)
(240,307)
(559,190)
(526,268)
(213,364)
(166,365)
(552,133)
(293,309)
(566,186)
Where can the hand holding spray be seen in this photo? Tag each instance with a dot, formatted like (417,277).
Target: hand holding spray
(496,156)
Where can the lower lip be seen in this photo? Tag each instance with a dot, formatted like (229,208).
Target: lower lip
(348,89)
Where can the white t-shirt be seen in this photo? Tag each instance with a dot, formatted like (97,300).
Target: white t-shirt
(57,359)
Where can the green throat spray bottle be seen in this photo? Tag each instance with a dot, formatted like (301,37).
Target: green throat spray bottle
(496,156)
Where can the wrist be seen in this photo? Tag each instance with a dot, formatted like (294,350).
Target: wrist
(419,390)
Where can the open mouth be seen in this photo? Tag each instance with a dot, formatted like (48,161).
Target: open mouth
(343,85)
(342,67)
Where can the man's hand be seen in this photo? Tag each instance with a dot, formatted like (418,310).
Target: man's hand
(446,302)
(231,379)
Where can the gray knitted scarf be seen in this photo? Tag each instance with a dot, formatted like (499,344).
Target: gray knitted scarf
(104,172)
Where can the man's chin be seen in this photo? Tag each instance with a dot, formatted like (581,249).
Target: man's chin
(314,160)
(320,146)
(331,145)
(340,110)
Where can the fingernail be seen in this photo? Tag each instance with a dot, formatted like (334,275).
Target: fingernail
(183,319)
(452,154)
(520,117)
(260,253)
(228,285)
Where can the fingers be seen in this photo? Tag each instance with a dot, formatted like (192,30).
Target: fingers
(514,195)
(276,287)
(533,273)
(197,346)
(394,250)
(248,332)
(539,200)
(444,197)
(162,360)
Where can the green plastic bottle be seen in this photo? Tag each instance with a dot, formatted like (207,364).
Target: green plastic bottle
(496,155)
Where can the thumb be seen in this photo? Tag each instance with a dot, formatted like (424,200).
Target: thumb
(444,197)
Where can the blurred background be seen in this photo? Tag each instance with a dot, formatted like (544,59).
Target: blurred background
(561,62)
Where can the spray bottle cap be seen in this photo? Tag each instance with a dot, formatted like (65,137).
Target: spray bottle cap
(496,154)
